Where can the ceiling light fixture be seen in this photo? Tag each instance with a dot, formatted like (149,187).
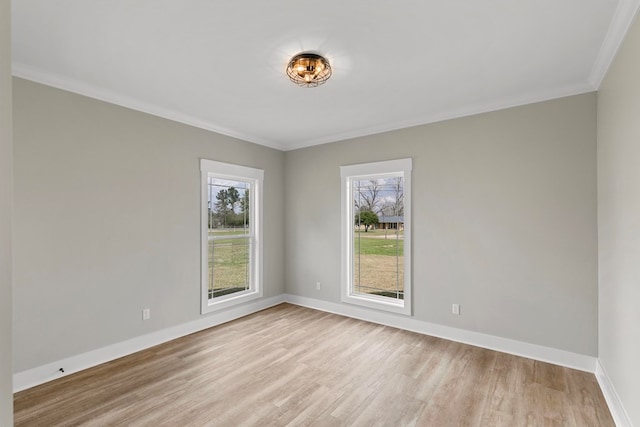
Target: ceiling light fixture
(308,70)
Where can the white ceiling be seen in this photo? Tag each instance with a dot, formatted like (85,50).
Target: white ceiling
(220,65)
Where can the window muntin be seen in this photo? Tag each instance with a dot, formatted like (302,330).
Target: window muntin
(376,209)
(231,234)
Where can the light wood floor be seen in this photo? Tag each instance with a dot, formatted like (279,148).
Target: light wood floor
(290,365)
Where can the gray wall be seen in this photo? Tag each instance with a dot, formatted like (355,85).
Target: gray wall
(107,207)
(6,388)
(619,223)
(106,221)
(504,207)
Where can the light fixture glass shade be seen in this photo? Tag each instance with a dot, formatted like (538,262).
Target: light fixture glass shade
(309,69)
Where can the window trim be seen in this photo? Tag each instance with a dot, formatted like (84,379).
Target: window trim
(243,173)
(347,175)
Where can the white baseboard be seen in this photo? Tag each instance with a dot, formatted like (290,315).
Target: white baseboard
(618,412)
(505,345)
(51,371)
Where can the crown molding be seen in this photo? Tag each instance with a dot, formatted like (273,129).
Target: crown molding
(71,85)
(456,113)
(622,19)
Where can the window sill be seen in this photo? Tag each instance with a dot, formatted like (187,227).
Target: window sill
(220,303)
(379,303)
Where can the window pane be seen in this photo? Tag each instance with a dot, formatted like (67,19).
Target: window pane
(229,270)
(228,203)
(378,236)
(231,240)
(229,236)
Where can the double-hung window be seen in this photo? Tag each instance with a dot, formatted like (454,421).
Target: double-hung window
(376,235)
(231,234)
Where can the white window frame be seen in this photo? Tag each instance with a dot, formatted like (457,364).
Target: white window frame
(363,171)
(255,177)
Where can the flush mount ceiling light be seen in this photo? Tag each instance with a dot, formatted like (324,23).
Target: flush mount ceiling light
(309,70)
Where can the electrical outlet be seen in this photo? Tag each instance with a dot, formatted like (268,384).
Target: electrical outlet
(318,286)
(455,309)
(146,314)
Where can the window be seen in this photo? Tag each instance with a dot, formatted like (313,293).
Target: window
(231,234)
(376,235)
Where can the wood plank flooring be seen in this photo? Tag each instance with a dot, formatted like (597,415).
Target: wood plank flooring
(295,366)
